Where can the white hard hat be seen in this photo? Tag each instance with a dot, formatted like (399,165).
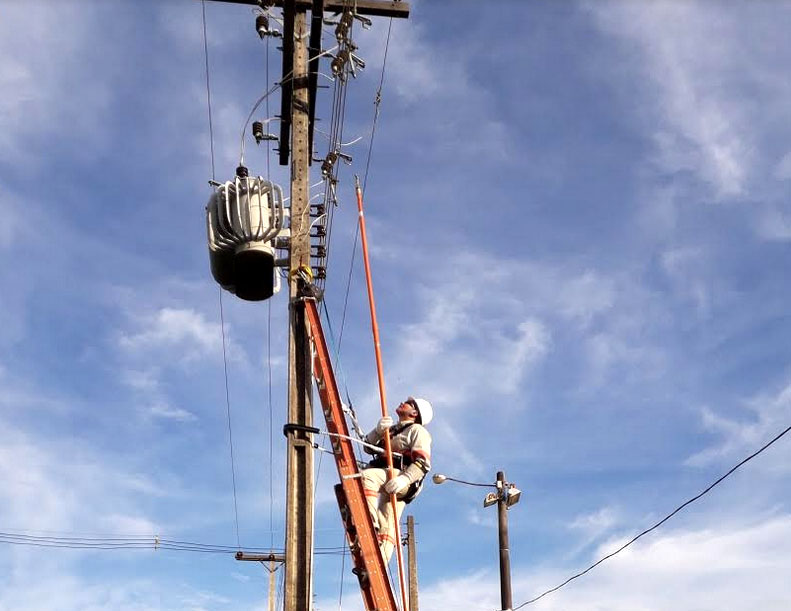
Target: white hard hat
(426,411)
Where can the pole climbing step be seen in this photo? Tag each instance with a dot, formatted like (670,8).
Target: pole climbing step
(369,565)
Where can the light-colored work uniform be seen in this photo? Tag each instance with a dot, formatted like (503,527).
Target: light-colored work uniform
(413,442)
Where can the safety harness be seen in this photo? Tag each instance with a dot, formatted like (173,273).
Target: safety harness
(401,462)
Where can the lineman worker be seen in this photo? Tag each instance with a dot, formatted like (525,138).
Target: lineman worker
(410,439)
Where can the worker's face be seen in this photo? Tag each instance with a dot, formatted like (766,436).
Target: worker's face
(407,410)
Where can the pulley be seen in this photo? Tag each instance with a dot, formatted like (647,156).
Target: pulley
(243,218)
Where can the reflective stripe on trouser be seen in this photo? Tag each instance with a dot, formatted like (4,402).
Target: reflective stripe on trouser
(381,509)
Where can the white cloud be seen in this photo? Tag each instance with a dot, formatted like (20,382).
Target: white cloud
(160,409)
(165,338)
(37,100)
(63,486)
(500,349)
(453,444)
(413,70)
(686,53)
(436,76)
(613,352)
(765,417)
(480,339)
(734,567)
(182,330)
(594,524)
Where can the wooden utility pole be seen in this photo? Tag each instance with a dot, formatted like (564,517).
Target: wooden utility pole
(411,550)
(296,117)
(505,551)
(299,477)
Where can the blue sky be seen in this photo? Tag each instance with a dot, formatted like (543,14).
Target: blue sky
(581,236)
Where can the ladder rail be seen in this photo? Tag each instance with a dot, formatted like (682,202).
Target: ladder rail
(370,566)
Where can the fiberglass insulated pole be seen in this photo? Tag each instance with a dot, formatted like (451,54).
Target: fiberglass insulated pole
(382,394)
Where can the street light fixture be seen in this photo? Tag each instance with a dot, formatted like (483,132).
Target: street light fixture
(506,496)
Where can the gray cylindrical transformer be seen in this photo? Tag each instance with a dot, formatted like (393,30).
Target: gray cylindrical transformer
(243,218)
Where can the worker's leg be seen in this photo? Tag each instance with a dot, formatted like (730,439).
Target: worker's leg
(388,519)
(373,480)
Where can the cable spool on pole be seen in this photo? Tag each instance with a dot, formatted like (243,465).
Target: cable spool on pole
(244,216)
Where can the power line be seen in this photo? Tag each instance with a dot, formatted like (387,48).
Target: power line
(139,542)
(332,162)
(208,88)
(269,346)
(222,317)
(377,102)
(658,524)
(228,412)
(271,424)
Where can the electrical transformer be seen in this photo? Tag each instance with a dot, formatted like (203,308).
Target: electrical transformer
(243,219)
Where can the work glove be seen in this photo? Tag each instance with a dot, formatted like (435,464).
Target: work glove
(397,485)
(384,424)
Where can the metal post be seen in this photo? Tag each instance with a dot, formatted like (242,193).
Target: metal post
(411,550)
(505,559)
(299,483)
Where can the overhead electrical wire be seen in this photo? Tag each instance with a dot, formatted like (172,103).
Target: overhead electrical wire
(658,524)
(208,88)
(265,96)
(269,350)
(139,542)
(230,428)
(343,571)
(377,102)
(332,162)
(222,317)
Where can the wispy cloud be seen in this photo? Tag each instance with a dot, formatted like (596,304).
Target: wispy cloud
(184,331)
(703,126)
(711,96)
(502,342)
(66,487)
(715,568)
(764,416)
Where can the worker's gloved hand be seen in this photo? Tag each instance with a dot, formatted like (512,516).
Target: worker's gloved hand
(397,485)
(384,424)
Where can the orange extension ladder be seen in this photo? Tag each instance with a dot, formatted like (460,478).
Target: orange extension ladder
(369,565)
